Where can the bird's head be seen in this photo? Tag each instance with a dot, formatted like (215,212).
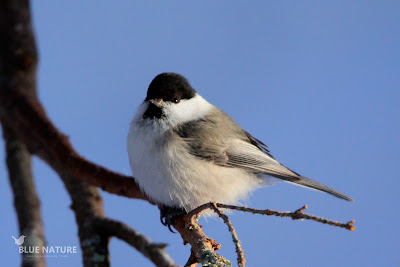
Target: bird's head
(171,98)
(169,87)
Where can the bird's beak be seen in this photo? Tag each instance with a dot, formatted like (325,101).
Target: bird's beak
(157,101)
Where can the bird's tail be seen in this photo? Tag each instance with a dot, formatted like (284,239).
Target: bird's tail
(15,239)
(303,181)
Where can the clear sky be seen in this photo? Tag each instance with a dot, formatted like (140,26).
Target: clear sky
(317,81)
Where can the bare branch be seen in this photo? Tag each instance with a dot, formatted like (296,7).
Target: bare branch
(192,261)
(26,200)
(153,251)
(192,233)
(203,248)
(87,204)
(239,251)
(28,119)
(296,215)
(18,61)
(26,127)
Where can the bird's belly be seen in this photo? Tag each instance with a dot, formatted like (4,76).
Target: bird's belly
(169,175)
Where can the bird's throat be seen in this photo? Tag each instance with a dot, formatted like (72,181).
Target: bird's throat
(153,112)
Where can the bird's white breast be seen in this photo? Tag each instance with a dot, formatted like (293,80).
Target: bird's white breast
(169,175)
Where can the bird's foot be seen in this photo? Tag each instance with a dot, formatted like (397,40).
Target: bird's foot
(169,214)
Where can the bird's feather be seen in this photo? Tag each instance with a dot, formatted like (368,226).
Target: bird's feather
(218,139)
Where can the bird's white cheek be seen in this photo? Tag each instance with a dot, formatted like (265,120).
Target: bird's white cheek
(180,112)
(187,110)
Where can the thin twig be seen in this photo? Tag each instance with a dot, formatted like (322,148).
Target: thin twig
(296,215)
(192,233)
(153,251)
(239,251)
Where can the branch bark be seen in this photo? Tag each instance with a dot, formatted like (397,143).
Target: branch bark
(239,251)
(88,204)
(26,200)
(26,126)
(18,62)
(153,251)
(26,116)
(295,215)
(203,248)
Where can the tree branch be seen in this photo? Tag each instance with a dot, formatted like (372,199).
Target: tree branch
(239,251)
(26,125)
(26,200)
(18,61)
(204,248)
(87,204)
(22,112)
(26,116)
(153,251)
(296,215)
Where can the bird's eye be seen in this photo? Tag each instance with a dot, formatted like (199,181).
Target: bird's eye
(176,100)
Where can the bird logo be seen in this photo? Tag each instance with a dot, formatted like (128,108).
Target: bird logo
(20,240)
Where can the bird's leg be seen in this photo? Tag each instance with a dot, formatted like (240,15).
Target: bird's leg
(169,214)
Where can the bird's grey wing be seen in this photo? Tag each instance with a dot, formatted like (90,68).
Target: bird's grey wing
(245,155)
(217,138)
(205,137)
(254,141)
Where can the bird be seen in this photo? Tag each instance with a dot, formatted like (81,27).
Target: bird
(184,152)
(20,240)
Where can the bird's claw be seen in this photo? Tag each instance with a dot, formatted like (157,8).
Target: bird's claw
(168,216)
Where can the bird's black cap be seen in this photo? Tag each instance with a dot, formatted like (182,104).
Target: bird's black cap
(170,87)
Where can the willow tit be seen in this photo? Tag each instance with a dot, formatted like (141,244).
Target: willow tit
(185,152)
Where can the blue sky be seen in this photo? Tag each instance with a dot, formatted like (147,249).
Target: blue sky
(317,81)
